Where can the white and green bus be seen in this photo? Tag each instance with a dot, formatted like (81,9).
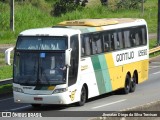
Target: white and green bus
(79,59)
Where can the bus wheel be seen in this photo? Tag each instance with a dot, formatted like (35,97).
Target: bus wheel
(83,97)
(36,105)
(133,83)
(127,86)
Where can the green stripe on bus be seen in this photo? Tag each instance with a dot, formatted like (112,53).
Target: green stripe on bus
(84,30)
(91,29)
(105,72)
(98,74)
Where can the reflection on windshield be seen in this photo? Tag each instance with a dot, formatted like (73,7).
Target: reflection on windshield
(39,68)
(41,43)
(52,68)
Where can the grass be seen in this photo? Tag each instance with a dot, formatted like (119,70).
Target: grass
(152,43)
(154,54)
(5,72)
(5,89)
(33,15)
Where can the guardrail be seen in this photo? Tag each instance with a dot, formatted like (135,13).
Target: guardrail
(6,81)
(9,81)
(153,50)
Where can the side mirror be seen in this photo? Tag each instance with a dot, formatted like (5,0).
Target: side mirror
(8,55)
(68,57)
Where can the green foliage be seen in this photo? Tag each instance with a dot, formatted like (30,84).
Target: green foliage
(28,16)
(64,6)
(129,4)
(152,43)
(41,4)
(5,72)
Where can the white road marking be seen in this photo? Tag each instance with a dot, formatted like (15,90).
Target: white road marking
(153,67)
(109,103)
(156,73)
(6,99)
(20,108)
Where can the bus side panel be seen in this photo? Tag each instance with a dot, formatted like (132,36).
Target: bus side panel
(102,75)
(116,74)
(87,76)
(141,67)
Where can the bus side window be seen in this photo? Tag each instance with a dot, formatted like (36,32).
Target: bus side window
(106,42)
(137,38)
(116,41)
(112,42)
(120,37)
(96,44)
(73,71)
(144,38)
(127,39)
(94,47)
(87,47)
(99,45)
(132,37)
(82,46)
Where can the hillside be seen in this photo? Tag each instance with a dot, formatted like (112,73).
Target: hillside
(37,14)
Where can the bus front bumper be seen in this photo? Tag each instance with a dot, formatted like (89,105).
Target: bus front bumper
(59,98)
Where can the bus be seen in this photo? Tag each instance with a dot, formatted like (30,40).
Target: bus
(80,59)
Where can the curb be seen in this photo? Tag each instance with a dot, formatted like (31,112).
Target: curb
(6,95)
(149,104)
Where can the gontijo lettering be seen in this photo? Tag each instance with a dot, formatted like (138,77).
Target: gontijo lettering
(124,56)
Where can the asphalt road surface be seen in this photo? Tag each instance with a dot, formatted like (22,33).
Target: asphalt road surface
(145,93)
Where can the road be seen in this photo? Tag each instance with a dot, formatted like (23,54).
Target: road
(145,93)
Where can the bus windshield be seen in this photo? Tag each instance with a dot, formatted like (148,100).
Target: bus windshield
(41,43)
(44,68)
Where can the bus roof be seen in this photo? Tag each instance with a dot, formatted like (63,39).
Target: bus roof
(98,22)
(94,25)
(49,32)
(84,26)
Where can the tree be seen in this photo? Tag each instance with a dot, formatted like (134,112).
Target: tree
(64,6)
(104,2)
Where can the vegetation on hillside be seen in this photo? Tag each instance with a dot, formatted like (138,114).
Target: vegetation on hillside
(37,13)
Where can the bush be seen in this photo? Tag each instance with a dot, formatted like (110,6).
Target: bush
(64,6)
(129,4)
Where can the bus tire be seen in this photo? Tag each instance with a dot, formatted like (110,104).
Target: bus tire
(127,86)
(133,83)
(83,97)
(36,105)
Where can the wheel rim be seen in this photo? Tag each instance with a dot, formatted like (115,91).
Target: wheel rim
(127,84)
(133,81)
(83,95)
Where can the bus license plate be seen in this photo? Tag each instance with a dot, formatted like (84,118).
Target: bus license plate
(38,98)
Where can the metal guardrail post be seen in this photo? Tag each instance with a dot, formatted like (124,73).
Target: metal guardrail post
(153,50)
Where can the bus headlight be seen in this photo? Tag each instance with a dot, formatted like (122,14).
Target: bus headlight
(16,89)
(60,90)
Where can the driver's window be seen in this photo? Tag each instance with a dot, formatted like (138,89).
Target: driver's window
(73,69)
